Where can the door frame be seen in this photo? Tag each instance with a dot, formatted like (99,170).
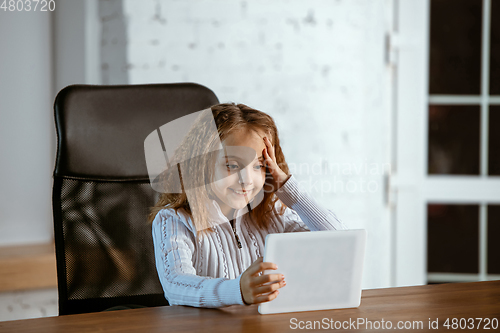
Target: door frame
(410,185)
(411,45)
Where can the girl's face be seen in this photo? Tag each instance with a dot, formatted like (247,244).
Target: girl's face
(239,170)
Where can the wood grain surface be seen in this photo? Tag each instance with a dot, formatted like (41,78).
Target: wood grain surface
(405,304)
(26,267)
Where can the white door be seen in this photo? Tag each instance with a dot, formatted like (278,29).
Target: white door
(445,179)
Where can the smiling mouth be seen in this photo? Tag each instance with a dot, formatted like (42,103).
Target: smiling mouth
(241,192)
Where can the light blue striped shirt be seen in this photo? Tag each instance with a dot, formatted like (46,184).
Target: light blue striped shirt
(207,273)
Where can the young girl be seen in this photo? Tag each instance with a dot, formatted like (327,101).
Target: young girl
(209,239)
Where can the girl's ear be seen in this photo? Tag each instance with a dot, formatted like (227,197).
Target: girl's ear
(269,136)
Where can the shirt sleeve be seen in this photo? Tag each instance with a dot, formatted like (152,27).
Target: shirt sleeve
(305,213)
(174,245)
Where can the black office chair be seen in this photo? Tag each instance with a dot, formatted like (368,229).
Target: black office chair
(101,191)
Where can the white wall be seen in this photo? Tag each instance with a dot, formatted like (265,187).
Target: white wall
(40,53)
(77,33)
(28,304)
(317,67)
(26,127)
(27,147)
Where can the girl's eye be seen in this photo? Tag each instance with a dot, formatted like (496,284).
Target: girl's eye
(232,166)
(236,166)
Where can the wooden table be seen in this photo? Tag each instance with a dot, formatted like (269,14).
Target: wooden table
(410,305)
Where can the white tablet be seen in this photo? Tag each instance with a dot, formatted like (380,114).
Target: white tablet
(323,269)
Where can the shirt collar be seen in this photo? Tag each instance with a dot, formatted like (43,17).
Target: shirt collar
(215,213)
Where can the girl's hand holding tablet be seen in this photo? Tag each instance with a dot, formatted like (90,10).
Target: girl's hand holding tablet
(257,288)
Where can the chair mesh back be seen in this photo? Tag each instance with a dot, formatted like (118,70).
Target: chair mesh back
(108,251)
(107,247)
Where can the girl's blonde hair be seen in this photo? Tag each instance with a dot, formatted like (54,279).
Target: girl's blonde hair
(201,141)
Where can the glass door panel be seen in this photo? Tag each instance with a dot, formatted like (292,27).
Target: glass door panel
(494,141)
(454,140)
(453,238)
(455,47)
(493,236)
(495,48)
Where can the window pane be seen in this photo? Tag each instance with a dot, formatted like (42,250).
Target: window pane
(495,49)
(452,238)
(455,47)
(493,243)
(454,139)
(494,141)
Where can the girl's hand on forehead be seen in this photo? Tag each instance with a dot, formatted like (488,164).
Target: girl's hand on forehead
(279,177)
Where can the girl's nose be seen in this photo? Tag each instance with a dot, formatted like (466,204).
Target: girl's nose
(245,177)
